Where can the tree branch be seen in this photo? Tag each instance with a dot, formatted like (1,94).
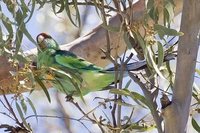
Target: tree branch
(87,46)
(178,110)
(150,98)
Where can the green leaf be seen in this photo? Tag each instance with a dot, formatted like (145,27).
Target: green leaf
(24,9)
(138,97)
(9,28)
(166,18)
(196,88)
(54,5)
(62,6)
(197,71)
(1,35)
(28,35)
(148,60)
(21,58)
(170,73)
(140,128)
(31,11)
(68,11)
(33,108)
(78,18)
(41,3)
(23,105)
(135,96)
(123,92)
(21,25)
(7,50)
(160,54)
(128,83)
(43,88)
(150,55)
(19,18)
(150,4)
(154,14)
(4,18)
(18,40)
(195,96)
(162,31)
(170,9)
(127,41)
(140,39)
(195,125)
(74,80)
(21,115)
(119,102)
(31,78)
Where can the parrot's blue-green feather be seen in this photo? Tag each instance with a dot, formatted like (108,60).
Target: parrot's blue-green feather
(71,61)
(67,72)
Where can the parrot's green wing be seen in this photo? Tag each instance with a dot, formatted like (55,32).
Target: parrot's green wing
(93,77)
(71,61)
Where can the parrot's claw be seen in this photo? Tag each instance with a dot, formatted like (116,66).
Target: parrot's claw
(69,98)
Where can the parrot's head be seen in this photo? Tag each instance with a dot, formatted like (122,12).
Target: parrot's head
(45,41)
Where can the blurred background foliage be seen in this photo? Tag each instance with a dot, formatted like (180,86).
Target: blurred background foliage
(22,20)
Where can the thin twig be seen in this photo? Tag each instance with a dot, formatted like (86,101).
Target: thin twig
(3,113)
(12,111)
(92,110)
(4,105)
(86,115)
(130,117)
(157,118)
(58,117)
(97,4)
(114,61)
(154,85)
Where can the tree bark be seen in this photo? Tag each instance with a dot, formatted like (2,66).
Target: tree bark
(87,46)
(177,113)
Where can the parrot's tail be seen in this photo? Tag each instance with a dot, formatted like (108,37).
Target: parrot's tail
(141,64)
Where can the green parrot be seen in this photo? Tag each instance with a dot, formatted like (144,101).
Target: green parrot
(73,75)
(67,72)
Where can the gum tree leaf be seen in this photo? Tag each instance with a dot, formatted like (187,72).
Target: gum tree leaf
(21,115)
(18,40)
(31,11)
(197,71)
(150,4)
(43,88)
(62,6)
(78,17)
(33,108)
(150,55)
(23,105)
(127,41)
(195,125)
(128,83)
(140,39)
(123,92)
(139,99)
(160,54)
(68,11)
(162,31)
(28,35)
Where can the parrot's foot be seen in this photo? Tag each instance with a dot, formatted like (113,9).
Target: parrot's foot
(69,98)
